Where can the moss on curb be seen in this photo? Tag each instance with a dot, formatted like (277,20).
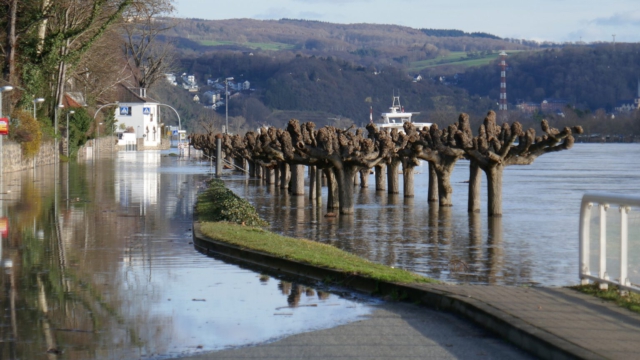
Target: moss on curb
(631,301)
(211,206)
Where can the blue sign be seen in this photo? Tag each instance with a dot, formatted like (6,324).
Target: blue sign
(175,132)
(146,111)
(125,111)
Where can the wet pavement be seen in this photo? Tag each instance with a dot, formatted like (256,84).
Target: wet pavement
(99,264)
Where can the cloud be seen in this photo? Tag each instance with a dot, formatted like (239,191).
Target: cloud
(617,20)
(274,14)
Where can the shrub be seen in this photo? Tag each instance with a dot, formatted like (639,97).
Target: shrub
(218,203)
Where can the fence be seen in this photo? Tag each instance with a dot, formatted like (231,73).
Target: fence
(621,246)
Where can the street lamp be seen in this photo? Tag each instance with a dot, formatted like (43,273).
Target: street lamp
(2,91)
(226,104)
(55,131)
(70,112)
(97,149)
(35,102)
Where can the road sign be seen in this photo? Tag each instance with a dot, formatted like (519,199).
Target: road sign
(146,111)
(175,132)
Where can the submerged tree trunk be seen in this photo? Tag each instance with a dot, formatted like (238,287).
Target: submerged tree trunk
(297,179)
(270,176)
(285,175)
(364,178)
(252,168)
(312,182)
(494,189)
(392,177)
(408,175)
(444,182)
(332,190)
(474,187)
(381,183)
(433,184)
(344,177)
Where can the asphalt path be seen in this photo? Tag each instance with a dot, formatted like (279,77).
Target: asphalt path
(394,330)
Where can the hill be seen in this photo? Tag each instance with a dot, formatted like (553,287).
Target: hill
(593,77)
(365,44)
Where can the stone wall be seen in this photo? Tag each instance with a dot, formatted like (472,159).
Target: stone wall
(12,159)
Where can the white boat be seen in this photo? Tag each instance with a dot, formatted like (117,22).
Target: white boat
(396,117)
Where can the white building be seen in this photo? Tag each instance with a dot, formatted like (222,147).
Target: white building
(138,114)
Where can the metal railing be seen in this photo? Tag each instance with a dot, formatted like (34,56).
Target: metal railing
(604,201)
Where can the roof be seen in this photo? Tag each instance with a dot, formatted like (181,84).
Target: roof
(132,95)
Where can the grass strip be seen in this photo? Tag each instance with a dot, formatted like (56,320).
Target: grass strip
(306,251)
(630,301)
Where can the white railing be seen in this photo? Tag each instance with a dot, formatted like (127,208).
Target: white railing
(604,201)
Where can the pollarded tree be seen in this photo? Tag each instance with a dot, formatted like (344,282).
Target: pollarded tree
(440,149)
(495,148)
(346,151)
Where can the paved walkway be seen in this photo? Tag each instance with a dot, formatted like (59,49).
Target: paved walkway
(580,325)
(549,323)
(394,330)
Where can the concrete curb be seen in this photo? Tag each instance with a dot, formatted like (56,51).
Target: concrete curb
(535,340)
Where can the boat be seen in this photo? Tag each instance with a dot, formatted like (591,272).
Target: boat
(396,117)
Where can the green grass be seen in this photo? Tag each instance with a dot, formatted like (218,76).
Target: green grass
(250,45)
(630,301)
(458,58)
(306,251)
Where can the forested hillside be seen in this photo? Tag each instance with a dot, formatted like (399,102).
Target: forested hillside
(331,86)
(593,77)
(365,44)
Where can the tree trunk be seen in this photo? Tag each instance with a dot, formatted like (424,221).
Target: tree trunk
(42,28)
(444,182)
(364,178)
(392,177)
(356,179)
(345,188)
(381,183)
(433,184)
(239,163)
(312,183)
(252,168)
(285,175)
(332,190)
(297,177)
(474,187)
(270,176)
(276,175)
(494,190)
(408,175)
(12,47)
(259,170)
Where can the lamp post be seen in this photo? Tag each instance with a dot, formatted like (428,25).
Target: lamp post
(2,91)
(226,104)
(35,102)
(179,123)
(55,130)
(97,137)
(70,112)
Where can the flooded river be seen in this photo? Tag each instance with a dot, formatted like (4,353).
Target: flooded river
(535,242)
(98,263)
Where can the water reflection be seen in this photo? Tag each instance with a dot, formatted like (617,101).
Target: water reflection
(535,242)
(98,264)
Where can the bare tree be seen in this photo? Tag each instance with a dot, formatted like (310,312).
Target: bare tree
(148,58)
(494,148)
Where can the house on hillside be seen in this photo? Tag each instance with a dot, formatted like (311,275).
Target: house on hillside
(528,107)
(139,114)
(553,105)
(629,105)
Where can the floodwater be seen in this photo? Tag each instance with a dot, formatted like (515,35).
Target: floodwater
(98,263)
(535,242)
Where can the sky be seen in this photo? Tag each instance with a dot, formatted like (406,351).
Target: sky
(541,20)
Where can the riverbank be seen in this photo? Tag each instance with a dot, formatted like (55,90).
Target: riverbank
(549,323)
